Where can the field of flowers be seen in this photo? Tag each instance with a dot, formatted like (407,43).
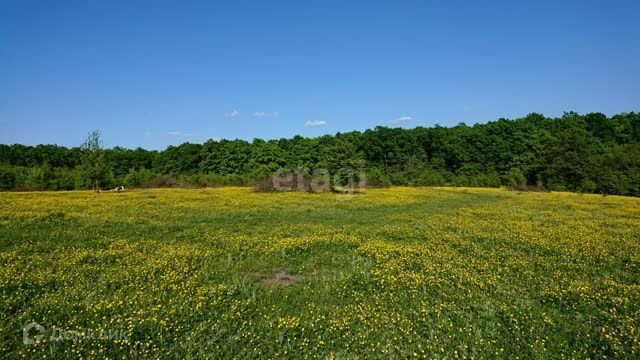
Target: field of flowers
(402,272)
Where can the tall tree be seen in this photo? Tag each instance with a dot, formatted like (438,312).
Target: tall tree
(94,164)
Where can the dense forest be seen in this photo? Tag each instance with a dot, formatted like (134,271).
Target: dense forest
(583,153)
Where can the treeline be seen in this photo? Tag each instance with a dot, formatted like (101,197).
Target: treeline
(583,153)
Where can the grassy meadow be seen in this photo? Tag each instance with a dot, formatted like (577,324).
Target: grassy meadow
(387,273)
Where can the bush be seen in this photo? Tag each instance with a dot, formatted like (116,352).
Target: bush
(62,179)
(161,182)
(38,177)
(287,180)
(490,179)
(429,177)
(261,173)
(213,179)
(613,183)
(191,180)
(264,185)
(515,178)
(7,177)
(587,186)
(136,178)
(397,178)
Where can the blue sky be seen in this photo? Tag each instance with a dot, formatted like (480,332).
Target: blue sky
(155,73)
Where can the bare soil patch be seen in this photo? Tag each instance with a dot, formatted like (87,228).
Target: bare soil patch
(282,278)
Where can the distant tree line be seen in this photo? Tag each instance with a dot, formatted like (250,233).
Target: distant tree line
(584,153)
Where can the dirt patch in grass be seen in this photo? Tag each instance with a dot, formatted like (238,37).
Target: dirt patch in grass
(282,278)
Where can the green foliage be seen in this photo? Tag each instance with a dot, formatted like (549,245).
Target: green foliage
(94,164)
(62,179)
(226,157)
(515,177)
(211,179)
(7,177)
(377,178)
(585,153)
(122,160)
(182,159)
(427,176)
(38,177)
(262,172)
(137,177)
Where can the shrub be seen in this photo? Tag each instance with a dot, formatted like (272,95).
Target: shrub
(7,177)
(377,178)
(264,185)
(38,177)
(515,178)
(429,177)
(161,181)
(587,186)
(213,179)
(62,179)
(136,178)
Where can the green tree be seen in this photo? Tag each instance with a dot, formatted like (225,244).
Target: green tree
(137,177)
(515,177)
(7,177)
(94,164)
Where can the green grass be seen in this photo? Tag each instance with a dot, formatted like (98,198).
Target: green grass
(403,272)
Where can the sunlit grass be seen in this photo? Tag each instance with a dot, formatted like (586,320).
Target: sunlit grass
(428,272)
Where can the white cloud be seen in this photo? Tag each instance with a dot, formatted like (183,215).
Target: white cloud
(233,113)
(315,123)
(401,119)
(180,134)
(261,114)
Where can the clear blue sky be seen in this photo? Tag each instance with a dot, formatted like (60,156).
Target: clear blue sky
(154,73)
